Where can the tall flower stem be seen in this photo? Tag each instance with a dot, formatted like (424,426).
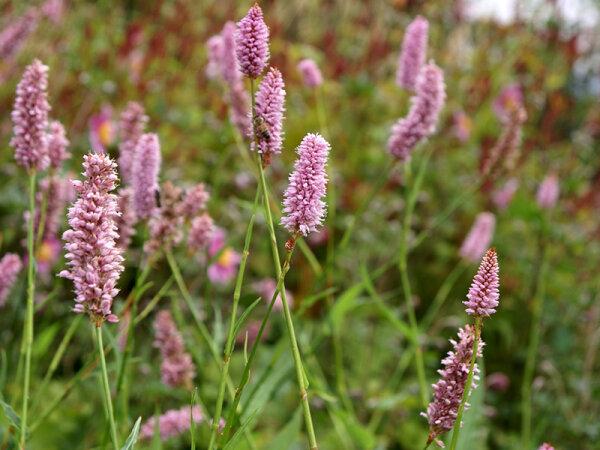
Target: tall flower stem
(403,268)
(28,330)
(465,396)
(286,309)
(230,334)
(534,340)
(106,387)
(246,374)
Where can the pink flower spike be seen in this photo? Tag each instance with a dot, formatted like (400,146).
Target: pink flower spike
(483,294)
(172,423)
(503,196)
(252,43)
(194,201)
(30,118)
(230,70)
(10,266)
(214,50)
(509,100)
(103,129)
(57,144)
(423,115)
(545,446)
(479,238)
(132,123)
(200,232)
(224,269)
(177,368)
(310,73)
(269,105)
(127,220)
(14,35)
(547,194)
(414,51)
(303,208)
(146,165)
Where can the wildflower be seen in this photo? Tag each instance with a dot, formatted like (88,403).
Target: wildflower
(497,381)
(266,288)
(545,446)
(14,35)
(30,118)
(462,126)
(53,10)
(230,70)
(252,43)
(239,100)
(57,144)
(194,201)
(172,423)
(412,57)
(479,238)
(448,391)
(503,196)
(165,223)
(10,266)
(214,49)
(102,130)
(127,220)
(47,254)
(509,100)
(94,259)
(132,123)
(303,208)
(200,233)
(269,106)
(505,152)
(483,294)
(177,368)
(422,117)
(224,269)
(146,165)
(310,73)
(547,193)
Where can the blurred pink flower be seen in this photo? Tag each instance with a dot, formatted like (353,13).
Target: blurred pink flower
(103,129)
(414,51)
(545,446)
(10,266)
(497,381)
(479,237)
(14,34)
(135,61)
(172,423)
(47,254)
(547,193)
(266,288)
(509,99)
(503,196)
(224,269)
(311,75)
(214,51)
(462,126)
(53,10)
(252,329)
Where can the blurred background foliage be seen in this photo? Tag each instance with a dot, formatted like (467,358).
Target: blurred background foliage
(110,52)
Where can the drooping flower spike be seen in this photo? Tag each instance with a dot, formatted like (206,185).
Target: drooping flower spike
(132,123)
(94,259)
(483,295)
(414,52)
(146,166)
(252,43)
(304,208)
(479,238)
(30,118)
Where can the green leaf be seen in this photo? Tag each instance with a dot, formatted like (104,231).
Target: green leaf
(132,439)
(345,303)
(243,317)
(311,300)
(231,444)
(13,418)
(361,436)
(287,437)
(44,339)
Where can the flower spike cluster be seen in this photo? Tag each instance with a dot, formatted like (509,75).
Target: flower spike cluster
(303,208)
(30,118)
(57,144)
(14,35)
(448,391)
(94,259)
(483,294)
(172,423)
(252,43)
(132,123)
(414,51)
(479,238)
(310,73)
(146,165)
(420,122)
(10,266)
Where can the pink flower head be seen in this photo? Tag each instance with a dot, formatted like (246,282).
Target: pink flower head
(448,391)
(172,423)
(30,118)
(230,70)
(497,381)
(483,294)
(239,100)
(310,73)
(545,446)
(214,49)
(127,220)
(10,266)
(194,201)
(266,288)
(505,152)
(479,238)
(53,10)
(303,208)
(252,43)
(423,115)
(509,99)
(547,193)
(224,269)
(57,144)
(503,196)
(145,168)
(165,223)
(177,368)
(269,106)
(201,230)
(14,35)
(414,51)
(132,123)
(103,129)
(462,126)
(94,259)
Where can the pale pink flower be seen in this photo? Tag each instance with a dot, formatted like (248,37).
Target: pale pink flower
(266,288)
(103,129)
(414,51)
(172,423)
(225,268)
(10,266)
(483,295)
(509,100)
(462,126)
(503,196)
(548,192)
(311,75)
(479,238)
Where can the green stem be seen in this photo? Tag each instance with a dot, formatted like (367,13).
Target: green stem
(534,340)
(43,210)
(286,309)
(246,374)
(106,388)
(230,334)
(467,391)
(28,329)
